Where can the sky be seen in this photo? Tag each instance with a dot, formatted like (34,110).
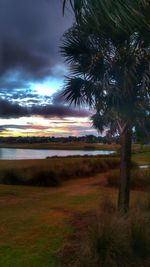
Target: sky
(32,71)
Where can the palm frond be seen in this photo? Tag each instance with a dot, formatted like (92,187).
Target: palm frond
(78,91)
(119,17)
(109,66)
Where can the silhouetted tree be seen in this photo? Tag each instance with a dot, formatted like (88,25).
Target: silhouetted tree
(108,50)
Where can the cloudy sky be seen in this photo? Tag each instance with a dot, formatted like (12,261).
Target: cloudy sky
(32,71)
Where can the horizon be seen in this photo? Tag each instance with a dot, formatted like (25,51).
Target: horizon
(55,137)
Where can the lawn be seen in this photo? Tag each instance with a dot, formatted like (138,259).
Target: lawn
(34,222)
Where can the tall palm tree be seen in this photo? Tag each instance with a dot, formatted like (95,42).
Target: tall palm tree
(124,15)
(110,71)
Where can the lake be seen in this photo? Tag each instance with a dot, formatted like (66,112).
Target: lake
(18,153)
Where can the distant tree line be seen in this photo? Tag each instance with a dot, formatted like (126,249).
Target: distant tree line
(138,137)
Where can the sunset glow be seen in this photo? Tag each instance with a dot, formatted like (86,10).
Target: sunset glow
(38,126)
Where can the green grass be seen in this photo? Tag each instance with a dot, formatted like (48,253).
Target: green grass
(41,255)
(142,157)
(32,229)
(137,148)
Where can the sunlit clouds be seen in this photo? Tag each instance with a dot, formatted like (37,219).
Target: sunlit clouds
(38,126)
(48,87)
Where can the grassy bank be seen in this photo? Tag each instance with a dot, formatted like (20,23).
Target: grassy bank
(53,171)
(61,146)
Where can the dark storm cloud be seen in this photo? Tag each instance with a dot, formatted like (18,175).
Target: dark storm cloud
(29,35)
(7,85)
(10,110)
(58,110)
(58,97)
(14,110)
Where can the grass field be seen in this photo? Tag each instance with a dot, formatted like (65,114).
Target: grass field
(35,222)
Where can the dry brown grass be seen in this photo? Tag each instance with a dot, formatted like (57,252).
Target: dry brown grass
(107,239)
(140,178)
(53,171)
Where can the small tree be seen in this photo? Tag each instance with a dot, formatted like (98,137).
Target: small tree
(109,71)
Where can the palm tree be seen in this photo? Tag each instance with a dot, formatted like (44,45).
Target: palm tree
(109,71)
(124,15)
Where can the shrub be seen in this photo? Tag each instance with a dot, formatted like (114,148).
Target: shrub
(107,247)
(45,178)
(143,203)
(55,170)
(140,236)
(139,178)
(113,178)
(11,176)
(114,240)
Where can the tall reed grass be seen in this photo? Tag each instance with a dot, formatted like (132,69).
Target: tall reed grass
(112,240)
(140,178)
(52,172)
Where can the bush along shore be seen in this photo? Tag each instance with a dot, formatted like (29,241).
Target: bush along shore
(140,178)
(52,172)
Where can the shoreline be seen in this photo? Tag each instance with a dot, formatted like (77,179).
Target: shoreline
(63,146)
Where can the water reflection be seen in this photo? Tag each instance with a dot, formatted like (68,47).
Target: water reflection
(13,153)
(144,166)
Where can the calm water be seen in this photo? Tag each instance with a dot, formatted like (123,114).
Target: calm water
(13,153)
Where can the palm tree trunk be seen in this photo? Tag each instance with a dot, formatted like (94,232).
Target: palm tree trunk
(125,167)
